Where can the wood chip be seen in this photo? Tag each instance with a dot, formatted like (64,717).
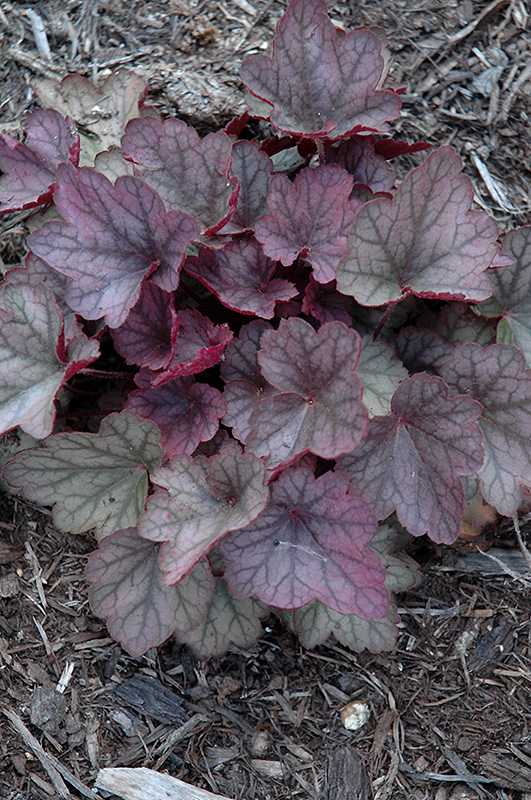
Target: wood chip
(146,784)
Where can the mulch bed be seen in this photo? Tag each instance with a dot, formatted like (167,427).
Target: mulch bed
(449,711)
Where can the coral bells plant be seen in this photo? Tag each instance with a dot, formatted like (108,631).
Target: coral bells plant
(255,369)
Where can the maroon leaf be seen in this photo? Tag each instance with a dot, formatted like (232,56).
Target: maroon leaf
(113,238)
(310,217)
(147,337)
(312,541)
(411,459)
(202,499)
(317,85)
(253,168)
(357,155)
(496,377)
(423,242)
(242,277)
(319,409)
(127,588)
(422,350)
(189,174)
(241,355)
(325,303)
(198,346)
(31,168)
(186,412)
(391,148)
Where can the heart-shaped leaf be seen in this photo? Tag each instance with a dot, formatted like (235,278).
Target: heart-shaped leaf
(411,459)
(317,84)
(113,238)
(201,500)
(127,588)
(424,241)
(92,480)
(147,337)
(312,541)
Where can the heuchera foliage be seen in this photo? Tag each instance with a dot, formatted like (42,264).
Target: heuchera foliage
(255,369)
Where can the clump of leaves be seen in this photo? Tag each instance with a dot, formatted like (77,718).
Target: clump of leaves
(298,364)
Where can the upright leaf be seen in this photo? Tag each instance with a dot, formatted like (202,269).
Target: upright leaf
(92,480)
(424,241)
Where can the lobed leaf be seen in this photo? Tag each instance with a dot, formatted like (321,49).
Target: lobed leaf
(147,337)
(325,303)
(422,349)
(201,499)
(127,589)
(380,373)
(317,84)
(496,377)
(112,239)
(253,169)
(357,155)
(91,480)
(424,241)
(30,169)
(411,459)
(312,541)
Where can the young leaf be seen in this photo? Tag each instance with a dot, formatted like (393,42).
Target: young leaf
(319,407)
(380,373)
(253,168)
(411,459)
(189,174)
(497,378)
(316,84)
(198,346)
(512,293)
(127,588)
(242,277)
(310,217)
(326,304)
(422,350)
(33,362)
(201,500)
(423,242)
(147,337)
(358,157)
(228,622)
(92,480)
(186,412)
(312,541)
(113,238)
(30,169)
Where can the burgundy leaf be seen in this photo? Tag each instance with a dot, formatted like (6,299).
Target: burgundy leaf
(423,242)
(312,541)
(147,337)
(325,303)
(422,349)
(310,217)
(319,409)
(318,85)
(253,168)
(198,346)
(357,155)
(391,148)
(186,412)
(201,499)
(242,398)
(189,174)
(127,588)
(30,169)
(241,355)
(411,459)
(113,238)
(242,277)
(496,377)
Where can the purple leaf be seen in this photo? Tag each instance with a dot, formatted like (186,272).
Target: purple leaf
(241,355)
(325,303)
(312,541)
(147,337)
(228,622)
(411,459)
(358,157)
(31,168)
(186,412)
(242,277)
(512,293)
(127,588)
(423,242)
(198,346)
(317,85)
(422,349)
(242,398)
(33,362)
(310,217)
(92,480)
(201,499)
(497,378)
(253,168)
(319,409)
(113,238)
(189,174)
(458,324)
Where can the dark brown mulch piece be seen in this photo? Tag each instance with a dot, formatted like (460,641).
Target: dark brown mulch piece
(147,695)
(505,771)
(346,776)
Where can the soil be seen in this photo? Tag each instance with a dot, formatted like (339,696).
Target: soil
(448,713)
